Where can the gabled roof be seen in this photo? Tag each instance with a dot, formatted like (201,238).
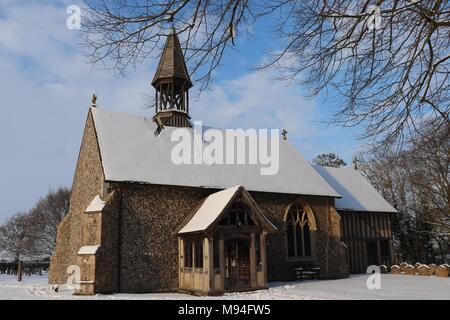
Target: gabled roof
(357,193)
(131,152)
(213,207)
(171,63)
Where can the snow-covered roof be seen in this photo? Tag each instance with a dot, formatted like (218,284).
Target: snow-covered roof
(212,208)
(88,250)
(131,152)
(357,193)
(96,205)
(209,211)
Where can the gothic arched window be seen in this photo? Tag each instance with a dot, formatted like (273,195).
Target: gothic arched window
(298,232)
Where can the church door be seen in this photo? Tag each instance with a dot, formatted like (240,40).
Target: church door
(237,264)
(372,254)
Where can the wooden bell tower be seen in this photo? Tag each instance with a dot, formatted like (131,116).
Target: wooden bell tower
(172,84)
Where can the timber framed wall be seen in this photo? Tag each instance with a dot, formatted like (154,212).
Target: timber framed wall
(368,237)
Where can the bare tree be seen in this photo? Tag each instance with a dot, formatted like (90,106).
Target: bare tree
(15,239)
(417,184)
(388,77)
(127,31)
(329,160)
(46,216)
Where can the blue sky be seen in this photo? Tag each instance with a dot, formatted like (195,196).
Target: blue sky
(46,87)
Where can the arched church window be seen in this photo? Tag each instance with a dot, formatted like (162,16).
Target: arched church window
(298,232)
(238,214)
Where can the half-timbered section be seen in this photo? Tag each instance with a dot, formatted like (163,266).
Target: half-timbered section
(368,238)
(365,219)
(222,245)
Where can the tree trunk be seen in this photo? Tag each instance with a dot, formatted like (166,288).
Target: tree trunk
(441,250)
(19,271)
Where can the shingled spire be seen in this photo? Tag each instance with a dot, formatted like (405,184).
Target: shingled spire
(172,83)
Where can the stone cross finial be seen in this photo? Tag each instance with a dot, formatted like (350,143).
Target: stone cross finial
(284,133)
(355,163)
(94,100)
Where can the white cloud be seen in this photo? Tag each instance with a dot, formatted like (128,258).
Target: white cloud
(255,100)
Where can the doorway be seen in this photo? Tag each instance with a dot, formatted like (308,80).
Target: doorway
(372,253)
(237,264)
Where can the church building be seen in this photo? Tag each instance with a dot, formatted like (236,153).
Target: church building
(138,222)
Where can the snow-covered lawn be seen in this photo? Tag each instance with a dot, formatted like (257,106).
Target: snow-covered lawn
(392,287)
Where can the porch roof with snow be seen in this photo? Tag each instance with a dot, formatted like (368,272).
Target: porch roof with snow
(357,193)
(131,152)
(213,207)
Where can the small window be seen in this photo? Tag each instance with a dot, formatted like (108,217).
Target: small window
(188,254)
(198,253)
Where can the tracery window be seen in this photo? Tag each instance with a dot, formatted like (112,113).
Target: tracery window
(298,232)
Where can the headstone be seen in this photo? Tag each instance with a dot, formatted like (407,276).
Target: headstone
(424,270)
(395,269)
(409,270)
(432,267)
(441,271)
(403,265)
(416,266)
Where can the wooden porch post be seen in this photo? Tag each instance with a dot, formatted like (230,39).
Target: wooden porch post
(222,260)
(253,280)
(263,256)
(209,263)
(180,262)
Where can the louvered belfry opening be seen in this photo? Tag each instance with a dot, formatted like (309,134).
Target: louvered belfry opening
(172,95)
(172,84)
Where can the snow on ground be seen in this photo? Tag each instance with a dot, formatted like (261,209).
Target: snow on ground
(392,287)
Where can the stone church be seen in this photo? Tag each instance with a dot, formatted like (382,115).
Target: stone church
(140,223)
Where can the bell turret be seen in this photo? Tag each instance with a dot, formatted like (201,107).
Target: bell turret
(172,84)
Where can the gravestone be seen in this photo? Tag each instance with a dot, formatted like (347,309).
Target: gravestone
(395,269)
(441,271)
(424,270)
